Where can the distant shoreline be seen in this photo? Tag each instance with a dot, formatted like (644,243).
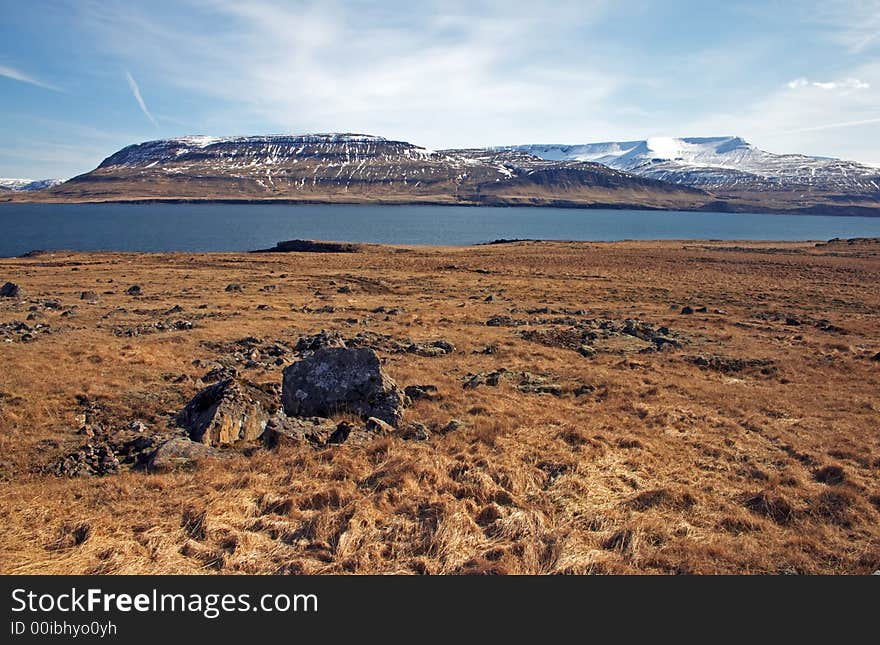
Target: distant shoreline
(718,207)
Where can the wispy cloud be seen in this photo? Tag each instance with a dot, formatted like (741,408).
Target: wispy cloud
(136,92)
(832,126)
(17,75)
(845,84)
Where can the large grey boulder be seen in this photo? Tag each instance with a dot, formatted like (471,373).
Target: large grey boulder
(226,413)
(340,379)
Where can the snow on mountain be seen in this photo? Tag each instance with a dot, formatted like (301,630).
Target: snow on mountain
(718,163)
(27,185)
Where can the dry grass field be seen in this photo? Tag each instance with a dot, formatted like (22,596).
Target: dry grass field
(750,444)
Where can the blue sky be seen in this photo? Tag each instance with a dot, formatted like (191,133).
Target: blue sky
(81,79)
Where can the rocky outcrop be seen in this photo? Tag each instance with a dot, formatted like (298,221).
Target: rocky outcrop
(311,246)
(339,379)
(226,413)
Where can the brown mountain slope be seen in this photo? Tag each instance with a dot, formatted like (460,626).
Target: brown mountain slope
(357,169)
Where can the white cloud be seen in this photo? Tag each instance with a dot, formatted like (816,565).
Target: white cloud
(136,92)
(17,75)
(845,84)
(436,77)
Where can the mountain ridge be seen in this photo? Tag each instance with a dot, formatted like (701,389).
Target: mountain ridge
(690,173)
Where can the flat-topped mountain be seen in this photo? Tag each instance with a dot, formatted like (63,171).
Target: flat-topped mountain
(719,173)
(358,168)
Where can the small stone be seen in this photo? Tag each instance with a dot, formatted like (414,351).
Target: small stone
(453,426)
(687,310)
(234,287)
(378,426)
(415,432)
(88,295)
(344,289)
(134,290)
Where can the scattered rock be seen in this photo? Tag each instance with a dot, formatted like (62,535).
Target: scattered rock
(344,289)
(728,365)
(219,373)
(414,432)
(419,392)
(10,290)
(338,379)
(588,337)
(226,413)
(687,310)
(453,426)
(234,287)
(178,453)
(341,434)
(88,461)
(504,321)
(88,295)
(134,290)
(378,426)
(525,382)
(433,348)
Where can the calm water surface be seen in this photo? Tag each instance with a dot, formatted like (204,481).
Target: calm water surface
(244,227)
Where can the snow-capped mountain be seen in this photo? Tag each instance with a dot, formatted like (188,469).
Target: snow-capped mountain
(27,185)
(720,164)
(358,168)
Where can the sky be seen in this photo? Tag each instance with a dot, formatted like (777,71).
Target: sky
(81,79)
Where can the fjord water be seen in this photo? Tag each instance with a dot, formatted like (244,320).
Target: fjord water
(245,227)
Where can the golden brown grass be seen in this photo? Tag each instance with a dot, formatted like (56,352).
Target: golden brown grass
(665,467)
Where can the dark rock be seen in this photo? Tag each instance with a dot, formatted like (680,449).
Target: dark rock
(88,461)
(489,298)
(311,246)
(453,426)
(178,453)
(702,310)
(433,348)
(234,287)
(414,432)
(687,310)
(504,321)
(876,357)
(321,340)
(341,434)
(134,290)
(226,413)
(88,295)
(377,426)
(418,392)
(344,289)
(338,379)
(10,290)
